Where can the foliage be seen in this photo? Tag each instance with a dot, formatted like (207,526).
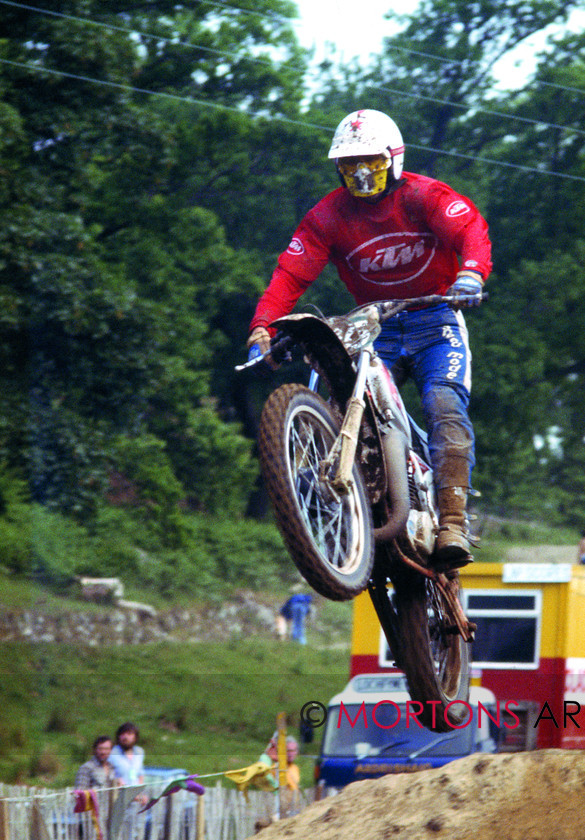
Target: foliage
(436,79)
(112,282)
(149,546)
(155,159)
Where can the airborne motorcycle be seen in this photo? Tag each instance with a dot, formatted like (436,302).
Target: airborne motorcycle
(352,489)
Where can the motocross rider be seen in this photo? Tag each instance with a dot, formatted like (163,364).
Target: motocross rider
(392,235)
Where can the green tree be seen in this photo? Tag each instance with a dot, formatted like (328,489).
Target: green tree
(114,280)
(437,74)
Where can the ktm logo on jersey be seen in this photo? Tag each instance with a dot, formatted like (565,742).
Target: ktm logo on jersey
(457,208)
(393,257)
(296,247)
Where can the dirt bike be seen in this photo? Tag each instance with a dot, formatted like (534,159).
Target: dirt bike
(352,490)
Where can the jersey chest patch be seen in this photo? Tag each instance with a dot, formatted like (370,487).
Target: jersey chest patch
(393,257)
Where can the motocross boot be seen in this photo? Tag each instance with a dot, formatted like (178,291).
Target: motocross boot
(452,546)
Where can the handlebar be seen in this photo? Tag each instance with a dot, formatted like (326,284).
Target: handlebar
(281,345)
(279,350)
(388,308)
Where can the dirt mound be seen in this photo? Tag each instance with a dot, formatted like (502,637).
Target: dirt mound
(525,796)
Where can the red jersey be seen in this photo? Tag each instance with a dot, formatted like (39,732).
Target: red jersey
(409,243)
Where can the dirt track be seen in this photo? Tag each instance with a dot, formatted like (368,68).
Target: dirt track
(523,796)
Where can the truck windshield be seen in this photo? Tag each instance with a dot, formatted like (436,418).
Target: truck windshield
(355,730)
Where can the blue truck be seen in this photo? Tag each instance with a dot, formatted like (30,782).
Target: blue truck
(371,730)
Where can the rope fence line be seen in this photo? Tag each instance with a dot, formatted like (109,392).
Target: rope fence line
(28,813)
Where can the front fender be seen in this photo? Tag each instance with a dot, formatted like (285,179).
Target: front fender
(325,351)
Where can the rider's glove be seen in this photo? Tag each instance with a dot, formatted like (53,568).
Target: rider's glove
(259,343)
(467,285)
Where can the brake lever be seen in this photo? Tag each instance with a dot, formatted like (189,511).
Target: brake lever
(466,301)
(255,361)
(279,352)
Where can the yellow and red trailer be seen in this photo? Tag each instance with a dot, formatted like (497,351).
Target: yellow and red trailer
(529,648)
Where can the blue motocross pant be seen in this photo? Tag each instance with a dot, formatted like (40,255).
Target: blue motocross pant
(431,345)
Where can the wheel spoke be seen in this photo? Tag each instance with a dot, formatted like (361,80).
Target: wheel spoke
(331,522)
(443,643)
(329,538)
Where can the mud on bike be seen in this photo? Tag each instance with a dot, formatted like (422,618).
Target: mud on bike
(350,481)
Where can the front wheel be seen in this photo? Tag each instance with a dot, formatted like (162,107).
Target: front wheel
(329,537)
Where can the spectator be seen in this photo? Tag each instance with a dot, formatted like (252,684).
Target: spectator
(127,757)
(290,791)
(296,610)
(306,732)
(98,771)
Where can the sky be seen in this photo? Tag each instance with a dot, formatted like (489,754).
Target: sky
(358,29)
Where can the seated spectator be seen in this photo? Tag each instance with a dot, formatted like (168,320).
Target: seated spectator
(290,790)
(98,771)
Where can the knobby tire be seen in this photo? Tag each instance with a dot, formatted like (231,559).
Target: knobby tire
(330,542)
(433,655)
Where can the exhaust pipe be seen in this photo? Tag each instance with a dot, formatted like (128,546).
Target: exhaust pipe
(395,461)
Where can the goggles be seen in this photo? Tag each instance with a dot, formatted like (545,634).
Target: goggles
(365,176)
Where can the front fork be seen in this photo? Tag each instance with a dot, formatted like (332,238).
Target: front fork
(344,449)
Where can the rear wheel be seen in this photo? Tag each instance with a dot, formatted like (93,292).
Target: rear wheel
(329,537)
(430,651)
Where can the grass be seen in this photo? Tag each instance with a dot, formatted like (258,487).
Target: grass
(500,536)
(203,707)
(21,594)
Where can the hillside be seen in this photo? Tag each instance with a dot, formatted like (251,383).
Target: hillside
(203,679)
(204,706)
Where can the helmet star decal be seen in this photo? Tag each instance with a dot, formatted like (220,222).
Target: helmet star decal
(358,122)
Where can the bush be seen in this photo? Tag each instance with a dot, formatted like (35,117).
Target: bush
(40,543)
(60,720)
(15,524)
(45,764)
(60,547)
(244,552)
(197,553)
(215,464)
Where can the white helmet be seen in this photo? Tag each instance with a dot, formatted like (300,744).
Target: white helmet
(369,132)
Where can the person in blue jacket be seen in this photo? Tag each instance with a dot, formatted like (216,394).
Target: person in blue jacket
(296,610)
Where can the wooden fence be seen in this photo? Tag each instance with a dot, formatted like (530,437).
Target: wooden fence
(220,814)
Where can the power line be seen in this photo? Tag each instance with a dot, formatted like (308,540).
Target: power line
(267,62)
(127,31)
(480,110)
(206,103)
(494,162)
(561,87)
(395,47)
(272,118)
(433,56)
(272,17)
(297,21)
(266,15)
